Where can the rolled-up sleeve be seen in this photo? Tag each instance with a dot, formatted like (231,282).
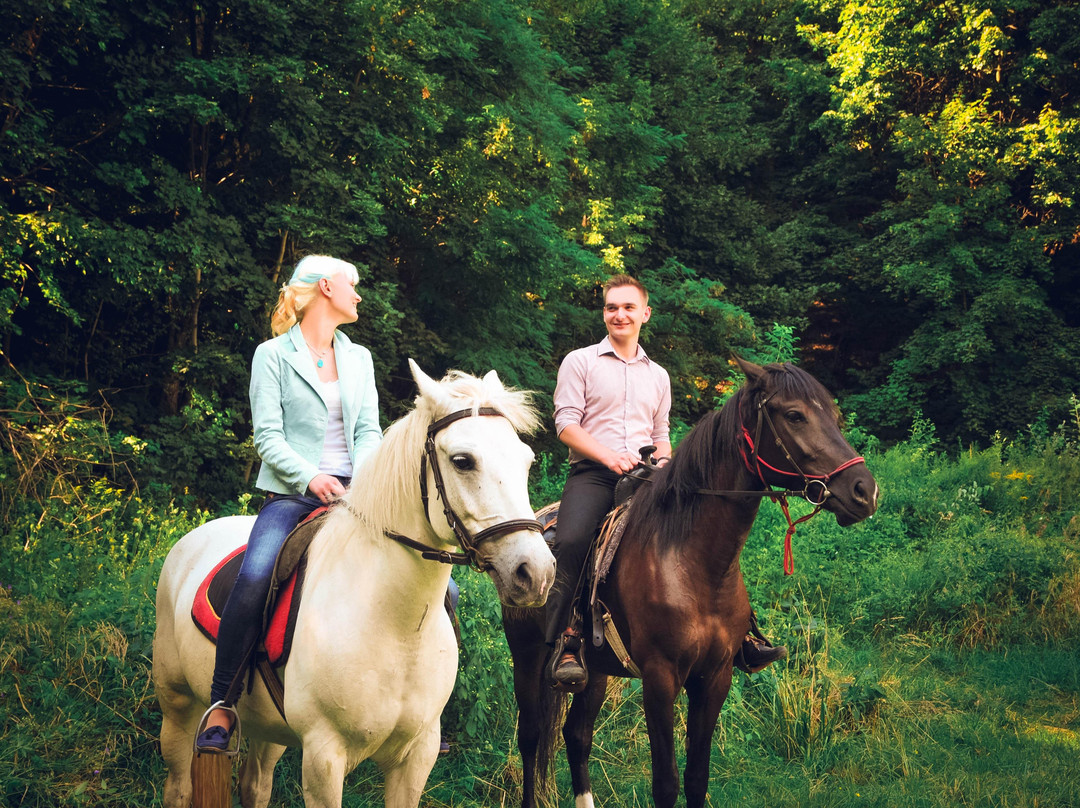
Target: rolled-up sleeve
(570,391)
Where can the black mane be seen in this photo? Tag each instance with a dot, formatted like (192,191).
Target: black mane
(665,510)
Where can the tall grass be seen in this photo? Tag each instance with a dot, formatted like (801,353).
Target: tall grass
(932,647)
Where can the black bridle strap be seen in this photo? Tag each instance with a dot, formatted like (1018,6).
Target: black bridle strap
(509,526)
(469,544)
(429,444)
(430,553)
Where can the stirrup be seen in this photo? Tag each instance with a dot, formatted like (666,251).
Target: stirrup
(569,644)
(234,731)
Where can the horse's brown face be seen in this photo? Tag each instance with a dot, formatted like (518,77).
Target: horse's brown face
(801,445)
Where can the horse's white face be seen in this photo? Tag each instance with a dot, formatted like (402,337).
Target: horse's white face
(485,470)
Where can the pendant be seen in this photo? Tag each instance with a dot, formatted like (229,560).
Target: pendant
(319,364)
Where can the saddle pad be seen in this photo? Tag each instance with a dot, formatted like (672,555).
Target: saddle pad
(603,549)
(548,516)
(214,591)
(607,543)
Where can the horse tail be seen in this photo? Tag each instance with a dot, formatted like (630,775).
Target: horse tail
(211,781)
(552,716)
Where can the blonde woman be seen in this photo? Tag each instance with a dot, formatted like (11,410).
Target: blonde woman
(315,413)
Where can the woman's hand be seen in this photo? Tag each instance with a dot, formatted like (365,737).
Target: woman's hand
(326,488)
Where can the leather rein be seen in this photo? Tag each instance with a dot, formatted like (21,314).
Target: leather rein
(755,465)
(470,543)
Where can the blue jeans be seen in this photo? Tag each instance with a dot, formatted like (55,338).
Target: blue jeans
(242,618)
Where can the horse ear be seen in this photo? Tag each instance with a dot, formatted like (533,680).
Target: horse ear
(491,377)
(428,387)
(750,370)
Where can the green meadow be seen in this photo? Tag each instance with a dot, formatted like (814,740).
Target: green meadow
(933,651)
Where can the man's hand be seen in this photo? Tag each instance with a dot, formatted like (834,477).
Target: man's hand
(326,488)
(620,463)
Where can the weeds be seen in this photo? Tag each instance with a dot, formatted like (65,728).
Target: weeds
(931,662)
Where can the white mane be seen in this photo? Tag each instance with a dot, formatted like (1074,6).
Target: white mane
(387,485)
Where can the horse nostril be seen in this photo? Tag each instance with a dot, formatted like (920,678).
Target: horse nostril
(860,494)
(523,576)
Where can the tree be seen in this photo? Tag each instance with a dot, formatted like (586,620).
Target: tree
(967,105)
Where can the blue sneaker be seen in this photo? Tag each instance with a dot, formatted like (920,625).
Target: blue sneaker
(214,740)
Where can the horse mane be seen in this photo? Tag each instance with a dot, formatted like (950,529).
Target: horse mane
(665,511)
(395,463)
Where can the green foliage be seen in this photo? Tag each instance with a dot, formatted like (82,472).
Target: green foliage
(891,185)
(547,478)
(914,640)
(962,107)
(978,546)
(81,686)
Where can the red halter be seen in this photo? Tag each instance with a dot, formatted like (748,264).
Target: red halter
(781,497)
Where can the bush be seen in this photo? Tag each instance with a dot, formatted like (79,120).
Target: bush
(977,545)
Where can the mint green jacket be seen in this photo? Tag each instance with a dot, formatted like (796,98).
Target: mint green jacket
(289,415)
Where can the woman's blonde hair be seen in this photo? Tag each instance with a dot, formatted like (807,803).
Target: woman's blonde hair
(303,286)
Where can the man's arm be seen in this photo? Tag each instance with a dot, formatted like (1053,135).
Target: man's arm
(575,436)
(569,411)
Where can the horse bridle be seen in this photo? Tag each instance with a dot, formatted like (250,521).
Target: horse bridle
(807,479)
(754,464)
(469,543)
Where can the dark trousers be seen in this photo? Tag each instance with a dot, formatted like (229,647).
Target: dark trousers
(241,620)
(587,498)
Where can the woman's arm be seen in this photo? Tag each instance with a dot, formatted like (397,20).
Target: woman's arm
(267,418)
(367,433)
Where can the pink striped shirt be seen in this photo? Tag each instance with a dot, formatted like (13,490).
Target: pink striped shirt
(623,405)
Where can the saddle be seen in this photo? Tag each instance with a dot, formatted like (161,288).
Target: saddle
(282,604)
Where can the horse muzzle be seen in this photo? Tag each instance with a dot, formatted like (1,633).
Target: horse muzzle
(853,496)
(522,568)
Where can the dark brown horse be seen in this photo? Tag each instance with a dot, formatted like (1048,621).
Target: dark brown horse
(675,589)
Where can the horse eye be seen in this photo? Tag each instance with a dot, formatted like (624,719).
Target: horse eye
(794,416)
(463,462)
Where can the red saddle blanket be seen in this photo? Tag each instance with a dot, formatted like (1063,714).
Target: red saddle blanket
(214,592)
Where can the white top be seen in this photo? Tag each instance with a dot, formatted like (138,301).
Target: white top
(335,453)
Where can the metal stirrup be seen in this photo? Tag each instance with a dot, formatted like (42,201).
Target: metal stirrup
(234,732)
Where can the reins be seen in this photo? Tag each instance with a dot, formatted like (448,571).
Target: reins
(469,543)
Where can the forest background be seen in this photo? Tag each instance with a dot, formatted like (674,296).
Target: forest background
(882,190)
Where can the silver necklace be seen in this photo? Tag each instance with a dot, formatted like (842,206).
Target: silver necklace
(320,354)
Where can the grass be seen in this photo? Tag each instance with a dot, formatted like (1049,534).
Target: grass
(913,720)
(933,656)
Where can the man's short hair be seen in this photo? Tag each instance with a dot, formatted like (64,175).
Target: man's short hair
(615,281)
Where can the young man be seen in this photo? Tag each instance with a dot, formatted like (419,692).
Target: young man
(610,401)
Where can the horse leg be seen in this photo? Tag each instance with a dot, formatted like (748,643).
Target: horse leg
(528,674)
(578,736)
(257,773)
(180,715)
(705,698)
(405,781)
(658,695)
(325,765)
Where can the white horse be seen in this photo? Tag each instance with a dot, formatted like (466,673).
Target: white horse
(374,655)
